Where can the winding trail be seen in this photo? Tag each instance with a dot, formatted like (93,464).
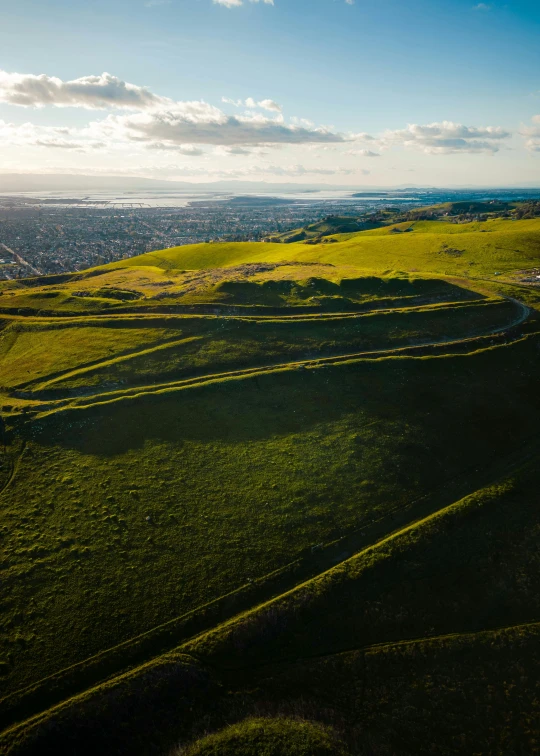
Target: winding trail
(108,397)
(271,588)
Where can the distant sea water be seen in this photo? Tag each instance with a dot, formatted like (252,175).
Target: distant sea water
(156,198)
(182,198)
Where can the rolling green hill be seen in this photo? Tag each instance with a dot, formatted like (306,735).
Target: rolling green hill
(268,498)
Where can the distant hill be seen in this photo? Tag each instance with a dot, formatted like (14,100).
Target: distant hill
(22,182)
(459,211)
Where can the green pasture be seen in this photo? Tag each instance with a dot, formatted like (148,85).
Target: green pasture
(484,249)
(214,345)
(31,350)
(238,478)
(339,556)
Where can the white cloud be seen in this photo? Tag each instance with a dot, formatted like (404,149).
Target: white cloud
(30,135)
(183,149)
(158,119)
(201,123)
(90,92)
(159,124)
(302,122)
(234,151)
(364,153)
(482,7)
(271,105)
(300,170)
(362,137)
(229,101)
(532,135)
(446,138)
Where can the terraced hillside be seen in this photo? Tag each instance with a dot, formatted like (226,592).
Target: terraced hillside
(275,498)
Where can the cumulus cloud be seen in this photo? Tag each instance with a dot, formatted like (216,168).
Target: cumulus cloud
(183,149)
(271,105)
(233,151)
(362,137)
(90,92)
(30,135)
(157,119)
(531,134)
(446,138)
(161,124)
(201,123)
(229,101)
(482,7)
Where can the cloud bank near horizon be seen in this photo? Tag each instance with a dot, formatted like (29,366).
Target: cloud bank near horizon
(138,121)
(447,137)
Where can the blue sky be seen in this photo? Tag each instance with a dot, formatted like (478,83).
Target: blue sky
(369,93)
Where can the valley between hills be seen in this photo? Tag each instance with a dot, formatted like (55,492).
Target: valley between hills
(275,492)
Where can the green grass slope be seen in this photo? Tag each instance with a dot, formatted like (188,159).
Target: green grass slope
(424,642)
(239,478)
(274,497)
(493,246)
(269,737)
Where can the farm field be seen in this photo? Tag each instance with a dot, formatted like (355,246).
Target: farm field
(263,496)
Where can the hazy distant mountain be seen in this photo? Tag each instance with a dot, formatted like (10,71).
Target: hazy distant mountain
(14,182)
(39,182)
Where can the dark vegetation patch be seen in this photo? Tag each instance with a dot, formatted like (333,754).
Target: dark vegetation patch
(238,479)
(450,251)
(421,666)
(123,295)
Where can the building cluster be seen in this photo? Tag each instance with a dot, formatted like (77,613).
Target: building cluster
(48,236)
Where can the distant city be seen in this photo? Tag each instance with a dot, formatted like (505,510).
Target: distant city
(43,235)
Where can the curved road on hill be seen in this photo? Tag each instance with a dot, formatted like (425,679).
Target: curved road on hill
(112,396)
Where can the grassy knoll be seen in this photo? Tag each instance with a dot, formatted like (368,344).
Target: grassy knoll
(269,737)
(485,248)
(256,494)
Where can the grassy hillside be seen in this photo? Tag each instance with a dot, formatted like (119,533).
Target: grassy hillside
(493,246)
(256,494)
